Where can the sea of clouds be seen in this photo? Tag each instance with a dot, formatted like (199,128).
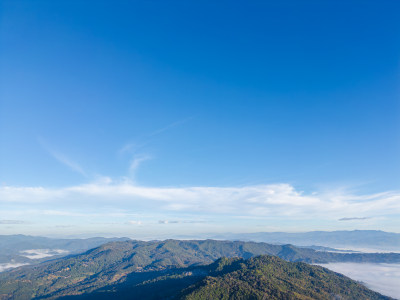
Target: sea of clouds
(382,278)
(41,253)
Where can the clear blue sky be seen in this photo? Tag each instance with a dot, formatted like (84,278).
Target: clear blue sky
(189,104)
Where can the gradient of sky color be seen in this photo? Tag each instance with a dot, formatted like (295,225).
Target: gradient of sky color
(148,118)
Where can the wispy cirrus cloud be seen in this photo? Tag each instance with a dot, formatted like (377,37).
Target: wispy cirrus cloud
(134,147)
(62,158)
(126,148)
(144,140)
(170,126)
(68,162)
(136,162)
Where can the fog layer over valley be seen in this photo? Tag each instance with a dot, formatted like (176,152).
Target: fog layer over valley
(42,253)
(19,250)
(383,278)
(4,267)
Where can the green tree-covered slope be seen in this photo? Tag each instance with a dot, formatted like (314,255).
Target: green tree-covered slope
(268,277)
(118,265)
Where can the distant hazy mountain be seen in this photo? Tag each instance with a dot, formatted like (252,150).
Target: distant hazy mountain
(369,239)
(118,266)
(24,249)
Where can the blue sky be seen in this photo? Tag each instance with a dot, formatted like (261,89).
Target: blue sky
(148,118)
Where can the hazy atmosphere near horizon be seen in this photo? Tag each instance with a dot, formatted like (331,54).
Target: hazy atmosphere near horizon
(156,119)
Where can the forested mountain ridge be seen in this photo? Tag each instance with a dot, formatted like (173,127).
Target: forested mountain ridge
(269,277)
(18,248)
(24,249)
(124,264)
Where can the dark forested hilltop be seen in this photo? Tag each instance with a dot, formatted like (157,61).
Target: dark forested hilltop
(269,277)
(128,263)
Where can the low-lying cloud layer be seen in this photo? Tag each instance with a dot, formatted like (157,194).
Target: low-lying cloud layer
(42,253)
(4,267)
(383,278)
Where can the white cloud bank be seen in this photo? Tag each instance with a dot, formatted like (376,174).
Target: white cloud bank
(42,253)
(383,278)
(248,201)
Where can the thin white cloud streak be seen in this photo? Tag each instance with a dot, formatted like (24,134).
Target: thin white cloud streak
(133,147)
(170,126)
(69,163)
(60,157)
(126,148)
(273,200)
(136,162)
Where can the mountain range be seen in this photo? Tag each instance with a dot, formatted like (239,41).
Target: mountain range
(124,266)
(373,240)
(24,249)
